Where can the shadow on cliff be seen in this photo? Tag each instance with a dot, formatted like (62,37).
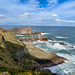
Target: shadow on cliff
(20,53)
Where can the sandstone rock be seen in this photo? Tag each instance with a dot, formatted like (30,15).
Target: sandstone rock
(23,30)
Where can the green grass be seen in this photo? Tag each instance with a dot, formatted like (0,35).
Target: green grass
(22,72)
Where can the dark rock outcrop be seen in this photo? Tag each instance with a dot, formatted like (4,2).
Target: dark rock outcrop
(39,37)
(63,44)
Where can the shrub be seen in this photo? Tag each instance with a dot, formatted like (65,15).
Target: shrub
(1,59)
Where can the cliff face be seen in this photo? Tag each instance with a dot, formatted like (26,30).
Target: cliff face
(27,30)
(23,30)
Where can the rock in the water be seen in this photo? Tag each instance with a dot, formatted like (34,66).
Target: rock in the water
(63,44)
(60,44)
(44,38)
(40,37)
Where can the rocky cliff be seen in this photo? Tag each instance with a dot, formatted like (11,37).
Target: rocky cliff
(17,56)
(23,30)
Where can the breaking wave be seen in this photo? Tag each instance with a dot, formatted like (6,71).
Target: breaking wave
(45,33)
(60,37)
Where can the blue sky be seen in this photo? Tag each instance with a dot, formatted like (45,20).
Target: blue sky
(37,12)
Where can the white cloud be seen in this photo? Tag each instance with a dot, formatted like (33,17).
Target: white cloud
(38,2)
(54,15)
(23,15)
(41,8)
(52,3)
(30,13)
(65,21)
(2,16)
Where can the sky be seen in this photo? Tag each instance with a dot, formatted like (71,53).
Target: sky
(37,12)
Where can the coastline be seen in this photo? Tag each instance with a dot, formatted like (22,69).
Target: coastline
(26,55)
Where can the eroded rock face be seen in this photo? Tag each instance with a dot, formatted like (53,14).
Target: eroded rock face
(23,30)
(27,30)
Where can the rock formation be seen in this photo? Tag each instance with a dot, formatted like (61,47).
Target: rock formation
(24,30)
(39,37)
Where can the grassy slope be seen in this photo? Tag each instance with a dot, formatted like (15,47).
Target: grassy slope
(6,48)
(5,58)
(13,45)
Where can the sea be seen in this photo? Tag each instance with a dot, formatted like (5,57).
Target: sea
(60,34)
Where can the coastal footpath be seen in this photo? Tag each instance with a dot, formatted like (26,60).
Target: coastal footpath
(19,57)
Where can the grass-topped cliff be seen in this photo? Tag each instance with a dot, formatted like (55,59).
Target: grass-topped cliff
(23,58)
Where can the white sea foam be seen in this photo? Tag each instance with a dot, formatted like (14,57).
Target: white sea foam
(54,45)
(49,40)
(19,35)
(61,37)
(67,68)
(45,33)
(73,46)
(58,46)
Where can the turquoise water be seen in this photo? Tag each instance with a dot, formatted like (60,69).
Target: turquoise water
(59,34)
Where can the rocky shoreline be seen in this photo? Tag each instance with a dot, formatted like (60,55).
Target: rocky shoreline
(24,55)
(25,32)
